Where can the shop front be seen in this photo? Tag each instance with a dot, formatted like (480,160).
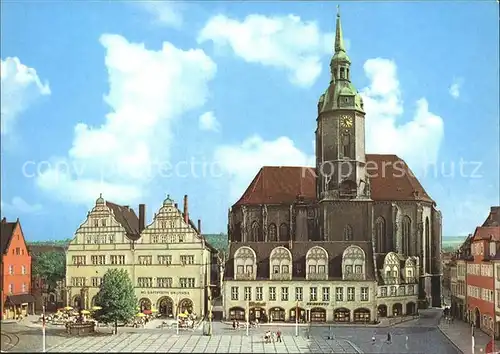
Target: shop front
(342,315)
(18,305)
(237,314)
(362,315)
(318,314)
(258,314)
(277,314)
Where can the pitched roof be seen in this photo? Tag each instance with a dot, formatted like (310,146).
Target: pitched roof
(487,233)
(390,179)
(127,217)
(6,232)
(493,218)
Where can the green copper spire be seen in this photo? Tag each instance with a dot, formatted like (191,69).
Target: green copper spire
(339,37)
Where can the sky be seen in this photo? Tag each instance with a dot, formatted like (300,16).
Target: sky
(140,100)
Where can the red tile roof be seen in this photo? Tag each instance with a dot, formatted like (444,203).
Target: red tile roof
(6,232)
(487,233)
(390,179)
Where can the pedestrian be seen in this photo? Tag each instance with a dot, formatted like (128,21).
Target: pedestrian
(373,339)
(234,324)
(268,337)
(388,337)
(278,336)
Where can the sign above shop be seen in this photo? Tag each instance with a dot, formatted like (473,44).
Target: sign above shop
(163,292)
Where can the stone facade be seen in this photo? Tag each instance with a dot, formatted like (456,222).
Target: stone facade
(349,201)
(168,260)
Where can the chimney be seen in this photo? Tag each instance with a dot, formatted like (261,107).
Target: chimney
(199,226)
(142,217)
(186,211)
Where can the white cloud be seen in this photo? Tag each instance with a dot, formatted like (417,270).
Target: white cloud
(167,13)
(19,205)
(284,42)
(241,162)
(20,87)
(455,87)
(208,121)
(417,140)
(149,91)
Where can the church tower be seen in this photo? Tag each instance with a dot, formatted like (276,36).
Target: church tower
(340,133)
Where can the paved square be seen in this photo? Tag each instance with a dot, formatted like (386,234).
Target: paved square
(195,343)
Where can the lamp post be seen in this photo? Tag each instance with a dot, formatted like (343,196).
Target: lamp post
(43,329)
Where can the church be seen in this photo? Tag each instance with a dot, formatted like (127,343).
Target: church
(353,239)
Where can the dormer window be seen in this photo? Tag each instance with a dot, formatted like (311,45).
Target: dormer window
(240,269)
(276,269)
(321,269)
(359,269)
(348,269)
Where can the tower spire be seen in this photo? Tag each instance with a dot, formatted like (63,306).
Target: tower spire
(339,37)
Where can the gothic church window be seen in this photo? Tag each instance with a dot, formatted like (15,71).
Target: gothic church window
(380,235)
(347,233)
(284,232)
(271,231)
(428,245)
(255,231)
(405,235)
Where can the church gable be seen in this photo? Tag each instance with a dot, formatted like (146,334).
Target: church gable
(390,180)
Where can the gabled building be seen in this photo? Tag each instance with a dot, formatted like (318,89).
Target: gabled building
(16,298)
(481,275)
(354,238)
(169,261)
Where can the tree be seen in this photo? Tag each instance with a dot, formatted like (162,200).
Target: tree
(116,297)
(49,266)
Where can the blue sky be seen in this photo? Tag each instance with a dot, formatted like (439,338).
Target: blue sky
(207,92)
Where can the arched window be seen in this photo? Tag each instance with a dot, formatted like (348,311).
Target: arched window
(317,264)
(380,235)
(245,263)
(353,263)
(280,264)
(428,246)
(272,232)
(405,235)
(342,73)
(255,231)
(347,233)
(284,232)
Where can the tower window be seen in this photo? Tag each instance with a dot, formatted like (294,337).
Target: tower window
(347,77)
(342,73)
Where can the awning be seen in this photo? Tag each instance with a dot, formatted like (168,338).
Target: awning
(20,299)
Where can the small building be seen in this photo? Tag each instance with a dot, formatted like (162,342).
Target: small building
(16,298)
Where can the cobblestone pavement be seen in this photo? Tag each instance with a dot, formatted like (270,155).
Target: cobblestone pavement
(30,339)
(460,333)
(163,342)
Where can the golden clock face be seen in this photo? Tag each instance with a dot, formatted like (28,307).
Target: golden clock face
(346,121)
